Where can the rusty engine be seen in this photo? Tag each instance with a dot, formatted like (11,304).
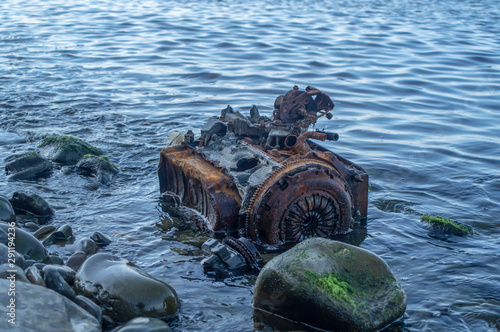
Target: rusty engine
(265,179)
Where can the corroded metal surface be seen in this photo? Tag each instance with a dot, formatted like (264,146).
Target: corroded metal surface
(265,178)
(201,185)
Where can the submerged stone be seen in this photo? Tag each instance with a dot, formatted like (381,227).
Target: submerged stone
(144,324)
(99,167)
(27,166)
(66,149)
(447,226)
(330,285)
(41,309)
(26,243)
(30,203)
(124,290)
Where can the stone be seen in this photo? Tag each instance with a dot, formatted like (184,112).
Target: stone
(67,273)
(124,290)
(14,256)
(64,232)
(44,231)
(89,306)
(30,203)
(55,281)
(4,238)
(447,226)
(7,271)
(144,324)
(27,166)
(330,285)
(88,246)
(99,167)
(34,276)
(26,244)
(66,149)
(76,260)
(41,309)
(100,239)
(6,210)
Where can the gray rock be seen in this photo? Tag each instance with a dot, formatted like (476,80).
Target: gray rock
(124,290)
(326,283)
(34,276)
(26,243)
(88,246)
(144,324)
(8,271)
(27,166)
(44,231)
(67,273)
(53,260)
(76,260)
(100,239)
(41,309)
(66,149)
(64,232)
(6,210)
(55,281)
(4,238)
(14,256)
(99,167)
(89,306)
(30,203)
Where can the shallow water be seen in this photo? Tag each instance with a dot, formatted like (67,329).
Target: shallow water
(417,91)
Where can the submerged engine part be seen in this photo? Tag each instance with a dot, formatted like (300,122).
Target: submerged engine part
(264,178)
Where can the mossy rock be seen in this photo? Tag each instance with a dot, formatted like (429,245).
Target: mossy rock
(27,166)
(66,149)
(447,226)
(330,285)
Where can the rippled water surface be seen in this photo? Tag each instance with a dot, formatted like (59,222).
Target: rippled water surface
(417,91)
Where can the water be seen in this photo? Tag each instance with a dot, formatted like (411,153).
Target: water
(416,88)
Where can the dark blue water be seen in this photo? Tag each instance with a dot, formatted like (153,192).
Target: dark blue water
(417,91)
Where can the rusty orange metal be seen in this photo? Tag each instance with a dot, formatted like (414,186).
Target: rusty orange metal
(265,178)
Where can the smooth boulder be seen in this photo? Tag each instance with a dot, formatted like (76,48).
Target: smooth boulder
(6,210)
(124,290)
(41,309)
(66,149)
(25,243)
(27,166)
(30,203)
(330,285)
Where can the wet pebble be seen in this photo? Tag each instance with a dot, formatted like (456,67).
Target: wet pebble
(124,290)
(64,232)
(100,239)
(76,260)
(44,231)
(89,306)
(34,276)
(56,282)
(88,246)
(67,273)
(53,259)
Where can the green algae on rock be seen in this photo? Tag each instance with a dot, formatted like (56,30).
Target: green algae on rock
(330,285)
(447,226)
(66,149)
